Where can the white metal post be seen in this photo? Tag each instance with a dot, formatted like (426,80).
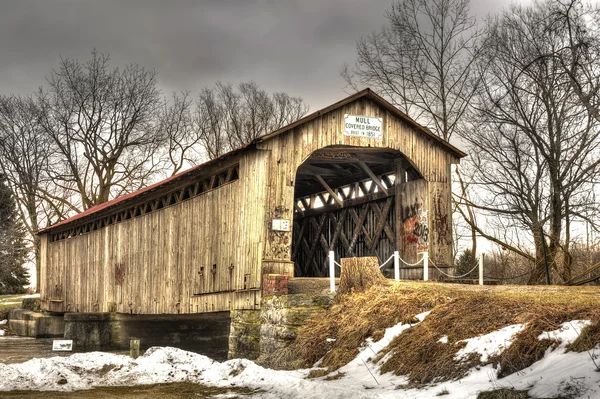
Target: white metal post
(396,266)
(425,266)
(481,269)
(331,272)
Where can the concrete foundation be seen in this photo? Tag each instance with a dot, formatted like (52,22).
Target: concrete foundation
(205,333)
(219,335)
(282,316)
(244,338)
(275,325)
(37,325)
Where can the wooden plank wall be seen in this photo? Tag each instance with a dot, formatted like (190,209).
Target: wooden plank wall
(412,221)
(292,148)
(202,254)
(152,263)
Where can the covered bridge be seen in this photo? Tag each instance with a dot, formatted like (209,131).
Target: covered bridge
(358,177)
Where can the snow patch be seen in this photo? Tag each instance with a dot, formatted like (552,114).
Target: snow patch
(563,373)
(364,372)
(567,332)
(443,340)
(421,316)
(488,345)
(3,322)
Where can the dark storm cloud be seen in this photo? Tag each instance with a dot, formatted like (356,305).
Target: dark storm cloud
(293,46)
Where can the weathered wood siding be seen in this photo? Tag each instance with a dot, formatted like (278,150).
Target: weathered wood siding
(207,253)
(202,254)
(290,149)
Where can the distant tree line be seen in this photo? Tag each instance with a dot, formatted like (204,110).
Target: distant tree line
(523,95)
(93,132)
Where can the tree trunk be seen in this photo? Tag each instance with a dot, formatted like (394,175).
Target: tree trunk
(539,273)
(360,274)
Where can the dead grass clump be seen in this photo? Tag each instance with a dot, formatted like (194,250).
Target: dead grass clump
(360,274)
(282,359)
(317,373)
(524,351)
(503,393)
(336,336)
(336,376)
(419,354)
(527,348)
(588,339)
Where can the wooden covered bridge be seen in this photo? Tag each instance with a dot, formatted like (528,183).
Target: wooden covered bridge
(358,177)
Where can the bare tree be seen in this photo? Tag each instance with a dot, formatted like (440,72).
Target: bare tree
(24,161)
(422,61)
(212,122)
(101,121)
(96,132)
(229,117)
(577,23)
(180,134)
(534,145)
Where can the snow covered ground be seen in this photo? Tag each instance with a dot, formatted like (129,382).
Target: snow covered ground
(558,373)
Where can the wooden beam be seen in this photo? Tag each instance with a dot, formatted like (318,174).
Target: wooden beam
(298,236)
(382,223)
(297,207)
(329,190)
(311,170)
(349,203)
(372,176)
(229,174)
(305,183)
(359,220)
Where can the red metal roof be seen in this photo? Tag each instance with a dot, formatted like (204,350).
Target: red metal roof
(363,93)
(137,193)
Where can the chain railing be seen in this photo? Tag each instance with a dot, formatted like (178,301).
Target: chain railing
(397,259)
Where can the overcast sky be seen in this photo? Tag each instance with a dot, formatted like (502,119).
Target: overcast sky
(294,46)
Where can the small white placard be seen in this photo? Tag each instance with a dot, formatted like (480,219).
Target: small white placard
(281,225)
(363,126)
(62,345)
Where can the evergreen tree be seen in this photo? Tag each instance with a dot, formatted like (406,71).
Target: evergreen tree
(465,263)
(13,248)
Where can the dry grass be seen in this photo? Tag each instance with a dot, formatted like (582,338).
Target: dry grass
(457,312)
(8,302)
(418,354)
(588,339)
(335,337)
(503,393)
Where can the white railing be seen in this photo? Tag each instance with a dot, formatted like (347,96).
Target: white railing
(397,260)
(478,265)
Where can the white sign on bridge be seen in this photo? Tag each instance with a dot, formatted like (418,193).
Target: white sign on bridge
(363,126)
(62,345)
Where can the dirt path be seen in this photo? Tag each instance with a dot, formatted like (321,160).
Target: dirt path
(158,391)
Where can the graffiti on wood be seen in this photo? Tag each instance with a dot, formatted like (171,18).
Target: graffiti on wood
(119,273)
(440,220)
(415,223)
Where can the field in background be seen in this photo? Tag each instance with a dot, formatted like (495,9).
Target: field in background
(8,302)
